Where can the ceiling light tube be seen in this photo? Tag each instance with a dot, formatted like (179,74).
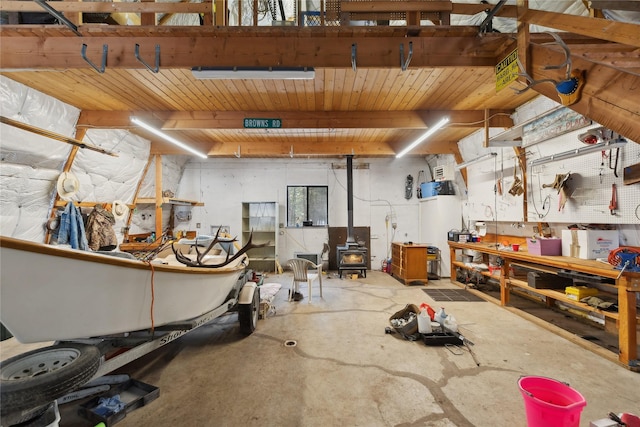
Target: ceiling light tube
(426,135)
(260,73)
(476,160)
(601,146)
(166,137)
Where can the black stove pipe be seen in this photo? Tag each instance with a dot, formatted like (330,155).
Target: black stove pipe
(350,239)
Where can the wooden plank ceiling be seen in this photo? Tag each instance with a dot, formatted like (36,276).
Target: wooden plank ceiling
(374,110)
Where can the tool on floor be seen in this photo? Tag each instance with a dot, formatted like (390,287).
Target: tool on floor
(473,355)
(454,349)
(613,205)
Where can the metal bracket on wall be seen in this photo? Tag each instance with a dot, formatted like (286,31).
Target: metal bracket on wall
(404,64)
(157,67)
(103,66)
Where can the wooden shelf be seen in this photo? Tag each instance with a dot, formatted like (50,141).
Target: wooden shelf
(168,201)
(562,297)
(139,247)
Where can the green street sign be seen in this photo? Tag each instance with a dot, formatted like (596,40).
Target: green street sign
(262,123)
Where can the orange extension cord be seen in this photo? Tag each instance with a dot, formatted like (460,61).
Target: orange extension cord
(153,296)
(614,256)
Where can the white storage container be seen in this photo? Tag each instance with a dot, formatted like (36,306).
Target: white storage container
(589,244)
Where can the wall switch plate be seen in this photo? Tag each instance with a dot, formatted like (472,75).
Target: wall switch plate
(197,225)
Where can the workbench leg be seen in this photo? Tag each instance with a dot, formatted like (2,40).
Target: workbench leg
(454,269)
(627,332)
(504,283)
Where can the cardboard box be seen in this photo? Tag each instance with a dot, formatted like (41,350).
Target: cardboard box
(576,293)
(543,246)
(540,280)
(591,244)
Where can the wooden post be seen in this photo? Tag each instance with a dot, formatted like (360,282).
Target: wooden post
(80,132)
(627,312)
(158,160)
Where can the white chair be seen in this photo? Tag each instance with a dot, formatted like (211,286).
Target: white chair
(301,273)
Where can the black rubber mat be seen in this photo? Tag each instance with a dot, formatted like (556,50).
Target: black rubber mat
(458,295)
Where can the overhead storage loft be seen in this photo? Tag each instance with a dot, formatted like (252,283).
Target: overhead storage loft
(383,73)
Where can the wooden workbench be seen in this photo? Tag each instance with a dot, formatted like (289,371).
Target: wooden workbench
(626,285)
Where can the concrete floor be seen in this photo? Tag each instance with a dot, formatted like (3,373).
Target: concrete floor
(345,371)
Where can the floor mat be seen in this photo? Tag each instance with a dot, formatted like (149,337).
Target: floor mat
(457,295)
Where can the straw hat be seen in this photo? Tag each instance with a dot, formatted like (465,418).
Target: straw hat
(119,209)
(67,185)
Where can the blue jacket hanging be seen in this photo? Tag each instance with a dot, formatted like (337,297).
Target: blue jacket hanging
(72,228)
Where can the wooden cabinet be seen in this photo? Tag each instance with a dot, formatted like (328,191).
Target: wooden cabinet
(261,220)
(409,262)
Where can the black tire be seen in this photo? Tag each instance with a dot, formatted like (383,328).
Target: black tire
(38,377)
(248,314)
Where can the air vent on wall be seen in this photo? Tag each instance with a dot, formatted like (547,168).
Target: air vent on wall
(443,173)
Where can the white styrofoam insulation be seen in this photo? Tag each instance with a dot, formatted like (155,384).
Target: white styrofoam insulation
(172,170)
(32,163)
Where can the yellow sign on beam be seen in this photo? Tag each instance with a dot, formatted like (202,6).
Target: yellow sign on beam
(507,70)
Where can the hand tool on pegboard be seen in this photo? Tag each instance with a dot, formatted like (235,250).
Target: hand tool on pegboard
(613,204)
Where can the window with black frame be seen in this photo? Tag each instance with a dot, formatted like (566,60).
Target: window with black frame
(307,205)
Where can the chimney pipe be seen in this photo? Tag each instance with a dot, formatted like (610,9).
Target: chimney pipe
(350,239)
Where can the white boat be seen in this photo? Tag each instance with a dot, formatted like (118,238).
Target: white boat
(92,304)
(48,293)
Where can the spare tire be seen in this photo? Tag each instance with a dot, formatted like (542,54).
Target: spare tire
(38,377)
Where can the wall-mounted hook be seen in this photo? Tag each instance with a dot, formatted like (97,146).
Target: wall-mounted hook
(157,67)
(237,153)
(405,63)
(103,66)
(354,51)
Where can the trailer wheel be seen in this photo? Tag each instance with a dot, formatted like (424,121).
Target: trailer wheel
(248,314)
(38,377)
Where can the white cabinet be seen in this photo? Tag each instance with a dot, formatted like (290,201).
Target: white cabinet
(261,219)
(438,215)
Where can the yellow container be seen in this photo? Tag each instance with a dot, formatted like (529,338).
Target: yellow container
(578,292)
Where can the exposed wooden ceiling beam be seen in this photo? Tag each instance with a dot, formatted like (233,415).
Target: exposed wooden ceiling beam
(306,149)
(604,29)
(610,96)
(188,47)
(190,120)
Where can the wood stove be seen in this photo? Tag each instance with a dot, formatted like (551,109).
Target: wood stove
(351,256)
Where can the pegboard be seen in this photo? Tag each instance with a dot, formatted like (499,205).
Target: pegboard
(589,186)
(485,180)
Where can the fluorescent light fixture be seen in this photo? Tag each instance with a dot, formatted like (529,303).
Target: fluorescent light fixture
(608,145)
(166,137)
(433,129)
(476,160)
(258,73)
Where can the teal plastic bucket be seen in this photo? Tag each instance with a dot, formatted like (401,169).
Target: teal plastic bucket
(550,403)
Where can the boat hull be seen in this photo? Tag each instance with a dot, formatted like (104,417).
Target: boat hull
(52,294)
